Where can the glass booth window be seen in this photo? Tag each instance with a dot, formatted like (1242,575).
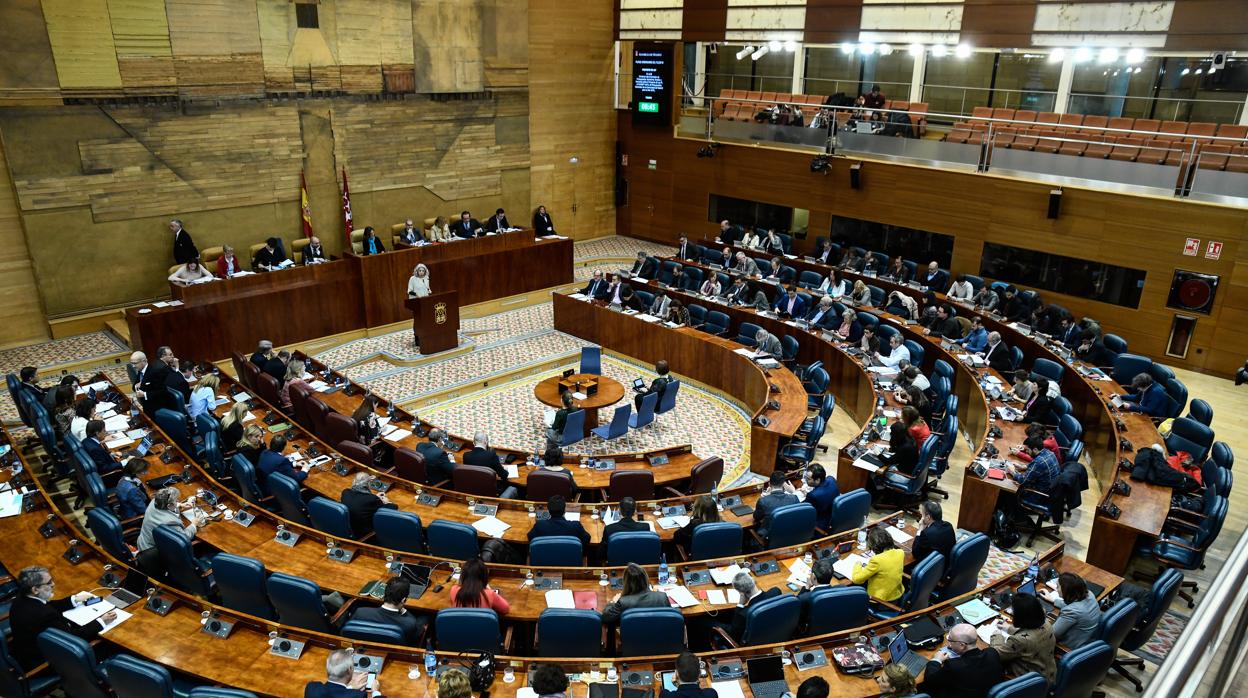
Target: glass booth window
(756,214)
(915,245)
(1026,81)
(1069,275)
(953,85)
(771,73)
(1114,89)
(831,70)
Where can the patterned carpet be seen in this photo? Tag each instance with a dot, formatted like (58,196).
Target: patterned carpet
(616,246)
(513,417)
(1168,630)
(48,355)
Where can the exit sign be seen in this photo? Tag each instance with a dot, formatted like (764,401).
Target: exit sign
(651,107)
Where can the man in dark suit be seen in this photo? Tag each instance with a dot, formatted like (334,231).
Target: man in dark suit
(557,525)
(34,611)
(28,377)
(823,314)
(658,385)
(935,278)
(467,226)
(645,267)
(960,669)
(821,573)
(597,287)
(781,273)
(484,456)
(180,380)
(628,508)
(362,503)
(269,257)
(688,672)
(272,461)
(94,446)
(779,493)
(263,349)
(738,293)
(498,223)
(750,594)
(686,249)
(184,249)
(935,534)
(438,466)
(730,232)
(410,234)
(276,366)
(314,253)
(136,368)
(791,304)
(344,681)
(393,612)
(946,324)
(998,354)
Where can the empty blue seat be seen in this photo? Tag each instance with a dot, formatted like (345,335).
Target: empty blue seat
(618,426)
(371,631)
(453,540)
(837,608)
(241,583)
(556,551)
(399,530)
(849,510)
(641,547)
(468,630)
(591,360)
(569,632)
(644,415)
(791,524)
(331,517)
(73,659)
(651,631)
(131,677)
(1080,670)
(715,539)
(298,602)
(1029,685)
(188,573)
(290,504)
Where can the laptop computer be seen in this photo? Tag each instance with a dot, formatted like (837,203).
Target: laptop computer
(766,676)
(639,384)
(899,652)
(132,588)
(144,446)
(1029,587)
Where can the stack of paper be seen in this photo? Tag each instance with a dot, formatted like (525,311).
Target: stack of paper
(728,689)
(986,631)
(976,611)
(579,296)
(513,470)
(397,435)
(681,596)
(319,386)
(242,396)
(116,423)
(725,575)
(560,598)
(647,317)
(845,566)
(494,527)
(715,597)
(671,522)
(900,537)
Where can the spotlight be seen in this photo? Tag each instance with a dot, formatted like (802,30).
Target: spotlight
(962,51)
(1199,71)
(774,46)
(886,49)
(1135,55)
(744,52)
(866,49)
(708,150)
(915,49)
(1137,69)
(848,49)
(1107,55)
(714,48)
(762,51)
(940,51)
(790,46)
(820,164)
(1057,55)
(1083,54)
(1185,71)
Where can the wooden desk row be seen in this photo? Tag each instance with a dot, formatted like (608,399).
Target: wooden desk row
(243,659)
(1144,511)
(309,302)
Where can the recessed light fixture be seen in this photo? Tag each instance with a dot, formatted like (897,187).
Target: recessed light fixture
(962,51)
(915,49)
(1057,55)
(1083,54)
(1135,55)
(940,51)
(1107,55)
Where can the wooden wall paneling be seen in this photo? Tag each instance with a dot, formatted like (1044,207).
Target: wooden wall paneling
(82,41)
(446,45)
(276,22)
(28,71)
(832,21)
(144,56)
(571,113)
(704,20)
(505,45)
(1135,231)
(1208,25)
(23,311)
(216,47)
(998,22)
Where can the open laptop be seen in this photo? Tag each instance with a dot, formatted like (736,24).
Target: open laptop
(639,384)
(899,652)
(1029,587)
(766,676)
(132,588)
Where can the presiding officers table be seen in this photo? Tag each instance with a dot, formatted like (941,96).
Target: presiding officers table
(309,302)
(609,391)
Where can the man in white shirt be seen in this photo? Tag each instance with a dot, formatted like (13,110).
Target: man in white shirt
(897,352)
(961,290)
(344,681)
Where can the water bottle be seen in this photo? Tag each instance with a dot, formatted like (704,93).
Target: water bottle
(715,493)
(1033,570)
(431,660)
(663,569)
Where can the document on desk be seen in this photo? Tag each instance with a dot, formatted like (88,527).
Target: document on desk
(493,527)
(82,615)
(899,536)
(513,470)
(242,396)
(10,504)
(560,598)
(319,386)
(728,689)
(986,631)
(104,406)
(724,575)
(668,523)
(869,462)
(579,296)
(681,596)
(715,597)
(846,565)
(976,611)
(646,317)
(397,435)
(114,444)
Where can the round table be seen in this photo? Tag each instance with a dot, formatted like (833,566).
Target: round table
(610,391)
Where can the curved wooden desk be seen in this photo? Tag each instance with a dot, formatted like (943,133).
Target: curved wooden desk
(1144,511)
(608,392)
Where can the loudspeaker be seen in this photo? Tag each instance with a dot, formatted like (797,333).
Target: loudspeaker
(1055,203)
(1193,291)
(1218,61)
(855,176)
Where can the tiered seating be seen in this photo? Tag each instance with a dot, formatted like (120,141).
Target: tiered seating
(742,105)
(1102,137)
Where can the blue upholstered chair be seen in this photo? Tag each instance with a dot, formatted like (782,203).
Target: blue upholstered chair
(569,632)
(452,539)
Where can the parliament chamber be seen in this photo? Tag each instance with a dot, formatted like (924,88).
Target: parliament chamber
(686,349)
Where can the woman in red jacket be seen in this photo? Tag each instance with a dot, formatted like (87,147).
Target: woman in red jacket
(473,589)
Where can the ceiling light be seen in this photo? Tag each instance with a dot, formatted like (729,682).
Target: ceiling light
(848,49)
(866,49)
(762,51)
(775,45)
(1057,55)
(1082,54)
(940,51)
(885,49)
(1185,71)
(915,50)
(1104,72)
(1107,55)
(962,51)
(790,46)
(1135,55)
(1138,68)
(1199,71)
(744,52)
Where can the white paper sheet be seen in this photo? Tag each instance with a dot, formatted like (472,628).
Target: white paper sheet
(845,566)
(728,689)
(724,575)
(83,615)
(493,527)
(242,397)
(560,598)
(716,597)
(900,537)
(397,435)
(682,596)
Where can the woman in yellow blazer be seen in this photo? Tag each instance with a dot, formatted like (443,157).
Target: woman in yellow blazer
(882,573)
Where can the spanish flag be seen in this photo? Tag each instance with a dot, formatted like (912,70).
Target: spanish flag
(307,210)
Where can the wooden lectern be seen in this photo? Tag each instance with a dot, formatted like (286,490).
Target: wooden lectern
(435,321)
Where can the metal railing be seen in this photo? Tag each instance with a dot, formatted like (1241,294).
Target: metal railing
(1165,108)
(1118,159)
(1037,100)
(853,88)
(1211,649)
